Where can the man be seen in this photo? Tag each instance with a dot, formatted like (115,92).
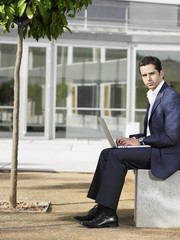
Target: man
(161,132)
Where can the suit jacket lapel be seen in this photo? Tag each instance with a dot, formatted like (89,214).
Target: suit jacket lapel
(146,119)
(158,98)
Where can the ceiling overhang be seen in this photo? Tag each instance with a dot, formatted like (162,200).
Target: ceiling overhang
(171,2)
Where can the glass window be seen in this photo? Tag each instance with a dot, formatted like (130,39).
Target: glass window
(113,54)
(118,96)
(178,17)
(107,11)
(87,98)
(36,91)
(82,54)
(6,91)
(36,57)
(7,55)
(170,63)
(7,62)
(61,83)
(92,84)
(62,55)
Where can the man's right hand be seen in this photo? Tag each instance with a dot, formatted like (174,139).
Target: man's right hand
(127,142)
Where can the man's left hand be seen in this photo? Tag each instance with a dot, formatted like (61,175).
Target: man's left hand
(128,142)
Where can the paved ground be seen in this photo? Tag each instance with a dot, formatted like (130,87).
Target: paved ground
(61,155)
(67,194)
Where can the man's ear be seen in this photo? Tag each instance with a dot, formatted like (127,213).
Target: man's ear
(162,74)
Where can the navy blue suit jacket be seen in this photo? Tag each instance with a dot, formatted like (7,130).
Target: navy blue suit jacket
(164,124)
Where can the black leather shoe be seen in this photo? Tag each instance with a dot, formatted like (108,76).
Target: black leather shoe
(91,214)
(101,221)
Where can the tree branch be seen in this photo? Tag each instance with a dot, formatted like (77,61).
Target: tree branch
(24,22)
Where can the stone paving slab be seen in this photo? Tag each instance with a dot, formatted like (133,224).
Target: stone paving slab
(53,155)
(67,194)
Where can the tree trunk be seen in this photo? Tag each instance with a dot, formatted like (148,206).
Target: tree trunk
(14,160)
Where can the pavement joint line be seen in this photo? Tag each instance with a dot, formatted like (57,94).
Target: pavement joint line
(7,164)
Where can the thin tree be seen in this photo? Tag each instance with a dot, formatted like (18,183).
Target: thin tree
(36,19)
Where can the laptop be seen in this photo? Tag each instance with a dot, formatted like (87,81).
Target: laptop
(110,138)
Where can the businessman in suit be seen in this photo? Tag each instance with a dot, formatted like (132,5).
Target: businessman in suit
(161,132)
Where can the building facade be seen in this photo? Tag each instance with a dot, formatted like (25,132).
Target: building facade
(65,85)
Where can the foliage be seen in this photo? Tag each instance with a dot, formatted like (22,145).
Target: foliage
(40,17)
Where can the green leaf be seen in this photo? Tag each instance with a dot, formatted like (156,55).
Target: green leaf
(29,12)
(52,28)
(41,8)
(4,31)
(11,9)
(48,33)
(55,33)
(12,25)
(46,18)
(25,32)
(20,2)
(64,19)
(30,32)
(8,24)
(77,4)
(10,13)
(71,5)
(22,9)
(71,15)
(60,6)
(48,4)
(54,18)
(40,31)
(68,29)
(4,21)
(60,29)
(34,6)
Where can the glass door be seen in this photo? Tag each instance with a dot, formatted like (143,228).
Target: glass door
(7,59)
(36,91)
(33,92)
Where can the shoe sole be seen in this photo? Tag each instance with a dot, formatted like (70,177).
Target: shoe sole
(110,225)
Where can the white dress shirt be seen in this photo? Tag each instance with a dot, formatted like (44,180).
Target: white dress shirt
(151,95)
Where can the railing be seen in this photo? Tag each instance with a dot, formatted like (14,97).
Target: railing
(130,17)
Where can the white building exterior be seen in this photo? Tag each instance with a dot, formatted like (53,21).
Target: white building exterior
(68,83)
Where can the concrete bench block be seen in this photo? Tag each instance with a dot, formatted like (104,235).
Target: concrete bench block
(157,201)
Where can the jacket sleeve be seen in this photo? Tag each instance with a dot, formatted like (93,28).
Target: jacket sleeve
(169,134)
(137,135)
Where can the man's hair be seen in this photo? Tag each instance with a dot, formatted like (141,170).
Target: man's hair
(151,60)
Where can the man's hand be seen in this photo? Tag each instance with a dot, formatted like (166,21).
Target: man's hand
(127,141)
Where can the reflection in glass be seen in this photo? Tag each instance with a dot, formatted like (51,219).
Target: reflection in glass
(87,98)
(7,61)
(61,123)
(114,54)
(118,96)
(87,126)
(6,117)
(61,84)
(90,82)
(82,54)
(6,91)
(140,118)
(7,57)
(36,91)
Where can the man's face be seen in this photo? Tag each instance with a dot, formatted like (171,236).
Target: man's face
(150,76)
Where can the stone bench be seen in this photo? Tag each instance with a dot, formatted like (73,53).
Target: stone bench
(157,201)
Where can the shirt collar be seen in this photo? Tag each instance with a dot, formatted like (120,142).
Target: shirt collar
(154,93)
